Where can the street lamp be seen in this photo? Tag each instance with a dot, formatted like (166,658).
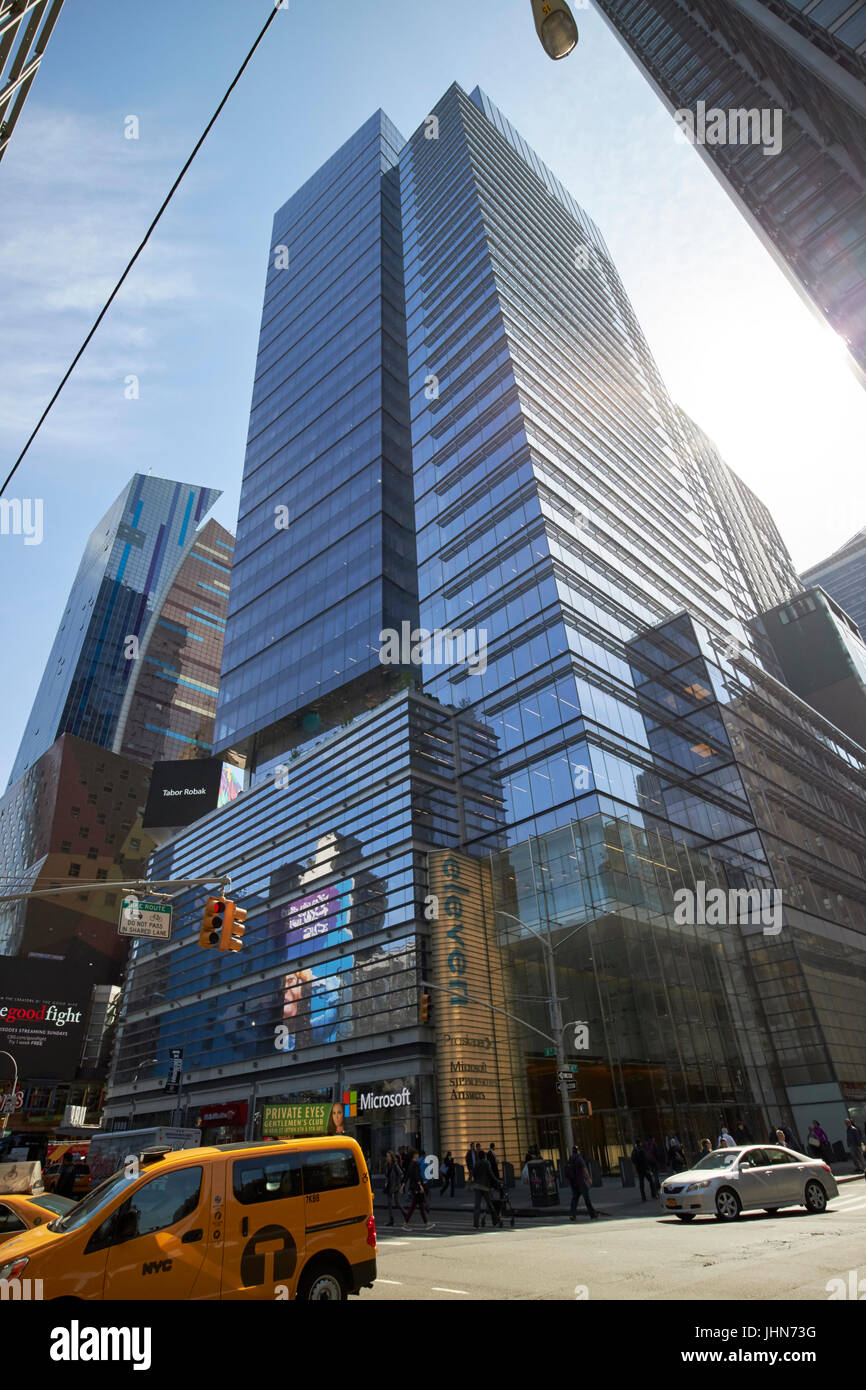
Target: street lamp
(555,26)
(556,1024)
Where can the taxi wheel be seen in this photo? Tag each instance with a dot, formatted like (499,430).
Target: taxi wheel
(681,1217)
(728,1205)
(816,1197)
(325,1284)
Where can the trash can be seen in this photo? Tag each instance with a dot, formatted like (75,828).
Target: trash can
(542,1183)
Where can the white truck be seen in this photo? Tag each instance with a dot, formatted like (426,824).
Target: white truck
(108,1152)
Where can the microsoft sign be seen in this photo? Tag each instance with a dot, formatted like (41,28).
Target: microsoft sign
(356,1102)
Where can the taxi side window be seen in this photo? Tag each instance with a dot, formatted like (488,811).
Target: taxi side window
(10,1221)
(268,1179)
(162,1202)
(329,1169)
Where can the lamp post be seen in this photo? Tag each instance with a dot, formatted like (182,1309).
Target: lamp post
(557,1027)
(555,26)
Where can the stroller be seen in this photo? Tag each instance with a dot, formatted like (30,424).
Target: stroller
(501,1204)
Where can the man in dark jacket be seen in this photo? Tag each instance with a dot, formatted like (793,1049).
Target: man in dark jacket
(641,1167)
(578,1180)
(491,1159)
(482,1183)
(415,1189)
(469,1160)
(65,1184)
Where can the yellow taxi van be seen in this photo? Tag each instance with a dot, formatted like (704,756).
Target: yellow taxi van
(262,1220)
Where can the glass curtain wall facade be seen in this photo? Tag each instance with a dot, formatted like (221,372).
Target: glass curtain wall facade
(131,559)
(329,862)
(807,60)
(760,568)
(554,504)
(170,702)
(324,557)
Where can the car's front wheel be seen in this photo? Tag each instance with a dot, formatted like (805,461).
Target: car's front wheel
(728,1205)
(816,1197)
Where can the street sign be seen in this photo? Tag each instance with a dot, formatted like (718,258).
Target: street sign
(568,1084)
(145,919)
(550,1052)
(568,1070)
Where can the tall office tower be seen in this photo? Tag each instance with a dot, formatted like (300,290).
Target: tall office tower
(130,563)
(324,557)
(843,576)
(571,764)
(808,61)
(25,29)
(761,571)
(170,702)
(555,501)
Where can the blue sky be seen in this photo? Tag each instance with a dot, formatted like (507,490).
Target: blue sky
(735,343)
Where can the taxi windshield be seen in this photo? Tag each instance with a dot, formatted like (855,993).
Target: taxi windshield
(722,1158)
(93,1202)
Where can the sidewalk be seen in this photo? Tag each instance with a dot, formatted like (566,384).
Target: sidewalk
(610,1197)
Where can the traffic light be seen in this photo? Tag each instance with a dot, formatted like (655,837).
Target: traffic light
(425,1008)
(211,923)
(233,927)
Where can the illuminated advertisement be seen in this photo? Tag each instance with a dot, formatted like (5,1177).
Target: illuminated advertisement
(43,1014)
(184,790)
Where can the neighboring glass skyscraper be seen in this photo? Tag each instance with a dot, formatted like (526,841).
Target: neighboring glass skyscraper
(843,576)
(324,557)
(806,58)
(170,701)
(130,562)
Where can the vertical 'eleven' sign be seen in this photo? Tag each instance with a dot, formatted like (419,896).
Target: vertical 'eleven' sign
(479,1074)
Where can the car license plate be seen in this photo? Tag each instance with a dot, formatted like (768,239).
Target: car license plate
(672,1201)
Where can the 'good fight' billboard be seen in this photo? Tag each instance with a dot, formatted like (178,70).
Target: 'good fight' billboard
(43,1014)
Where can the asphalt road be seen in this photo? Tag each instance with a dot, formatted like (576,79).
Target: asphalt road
(627,1255)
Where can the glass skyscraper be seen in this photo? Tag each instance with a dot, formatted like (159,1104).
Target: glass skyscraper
(597,730)
(807,60)
(130,562)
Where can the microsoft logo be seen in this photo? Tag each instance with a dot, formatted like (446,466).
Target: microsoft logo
(350,1103)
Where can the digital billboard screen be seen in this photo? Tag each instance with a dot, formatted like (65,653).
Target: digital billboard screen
(183,791)
(44,1007)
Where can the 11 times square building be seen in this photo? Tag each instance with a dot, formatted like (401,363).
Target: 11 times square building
(489,661)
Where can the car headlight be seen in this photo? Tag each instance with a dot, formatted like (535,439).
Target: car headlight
(697,1186)
(13,1269)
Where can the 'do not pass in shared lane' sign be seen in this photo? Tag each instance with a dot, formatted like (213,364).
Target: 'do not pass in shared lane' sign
(147,919)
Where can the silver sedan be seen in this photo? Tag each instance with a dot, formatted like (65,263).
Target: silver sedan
(766,1177)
